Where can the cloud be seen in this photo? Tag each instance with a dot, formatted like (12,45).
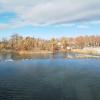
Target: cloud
(64,25)
(95,22)
(3,26)
(46,12)
(82,26)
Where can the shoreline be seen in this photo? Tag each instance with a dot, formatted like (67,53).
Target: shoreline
(83,51)
(21,52)
(79,53)
(34,52)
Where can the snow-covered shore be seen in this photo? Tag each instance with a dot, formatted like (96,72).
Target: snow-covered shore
(88,50)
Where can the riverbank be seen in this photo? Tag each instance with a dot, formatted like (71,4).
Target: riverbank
(86,56)
(75,53)
(27,52)
(91,51)
(34,52)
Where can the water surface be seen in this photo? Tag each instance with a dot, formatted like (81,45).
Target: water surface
(50,79)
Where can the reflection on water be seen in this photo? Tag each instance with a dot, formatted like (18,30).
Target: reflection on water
(12,56)
(7,56)
(50,79)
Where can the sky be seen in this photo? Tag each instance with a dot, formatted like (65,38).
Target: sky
(49,18)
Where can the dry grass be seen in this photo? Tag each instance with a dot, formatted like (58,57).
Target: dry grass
(84,51)
(33,52)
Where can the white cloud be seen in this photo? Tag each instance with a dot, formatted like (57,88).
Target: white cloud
(82,26)
(45,12)
(95,22)
(3,26)
(64,25)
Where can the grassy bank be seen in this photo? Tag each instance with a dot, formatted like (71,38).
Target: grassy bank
(83,51)
(33,52)
(29,52)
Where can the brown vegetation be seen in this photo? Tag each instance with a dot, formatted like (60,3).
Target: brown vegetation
(35,45)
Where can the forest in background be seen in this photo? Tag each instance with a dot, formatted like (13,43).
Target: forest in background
(20,43)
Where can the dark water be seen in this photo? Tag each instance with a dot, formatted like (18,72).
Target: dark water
(50,79)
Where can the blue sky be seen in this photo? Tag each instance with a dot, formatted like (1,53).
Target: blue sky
(49,18)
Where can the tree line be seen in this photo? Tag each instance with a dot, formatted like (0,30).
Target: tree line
(17,43)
